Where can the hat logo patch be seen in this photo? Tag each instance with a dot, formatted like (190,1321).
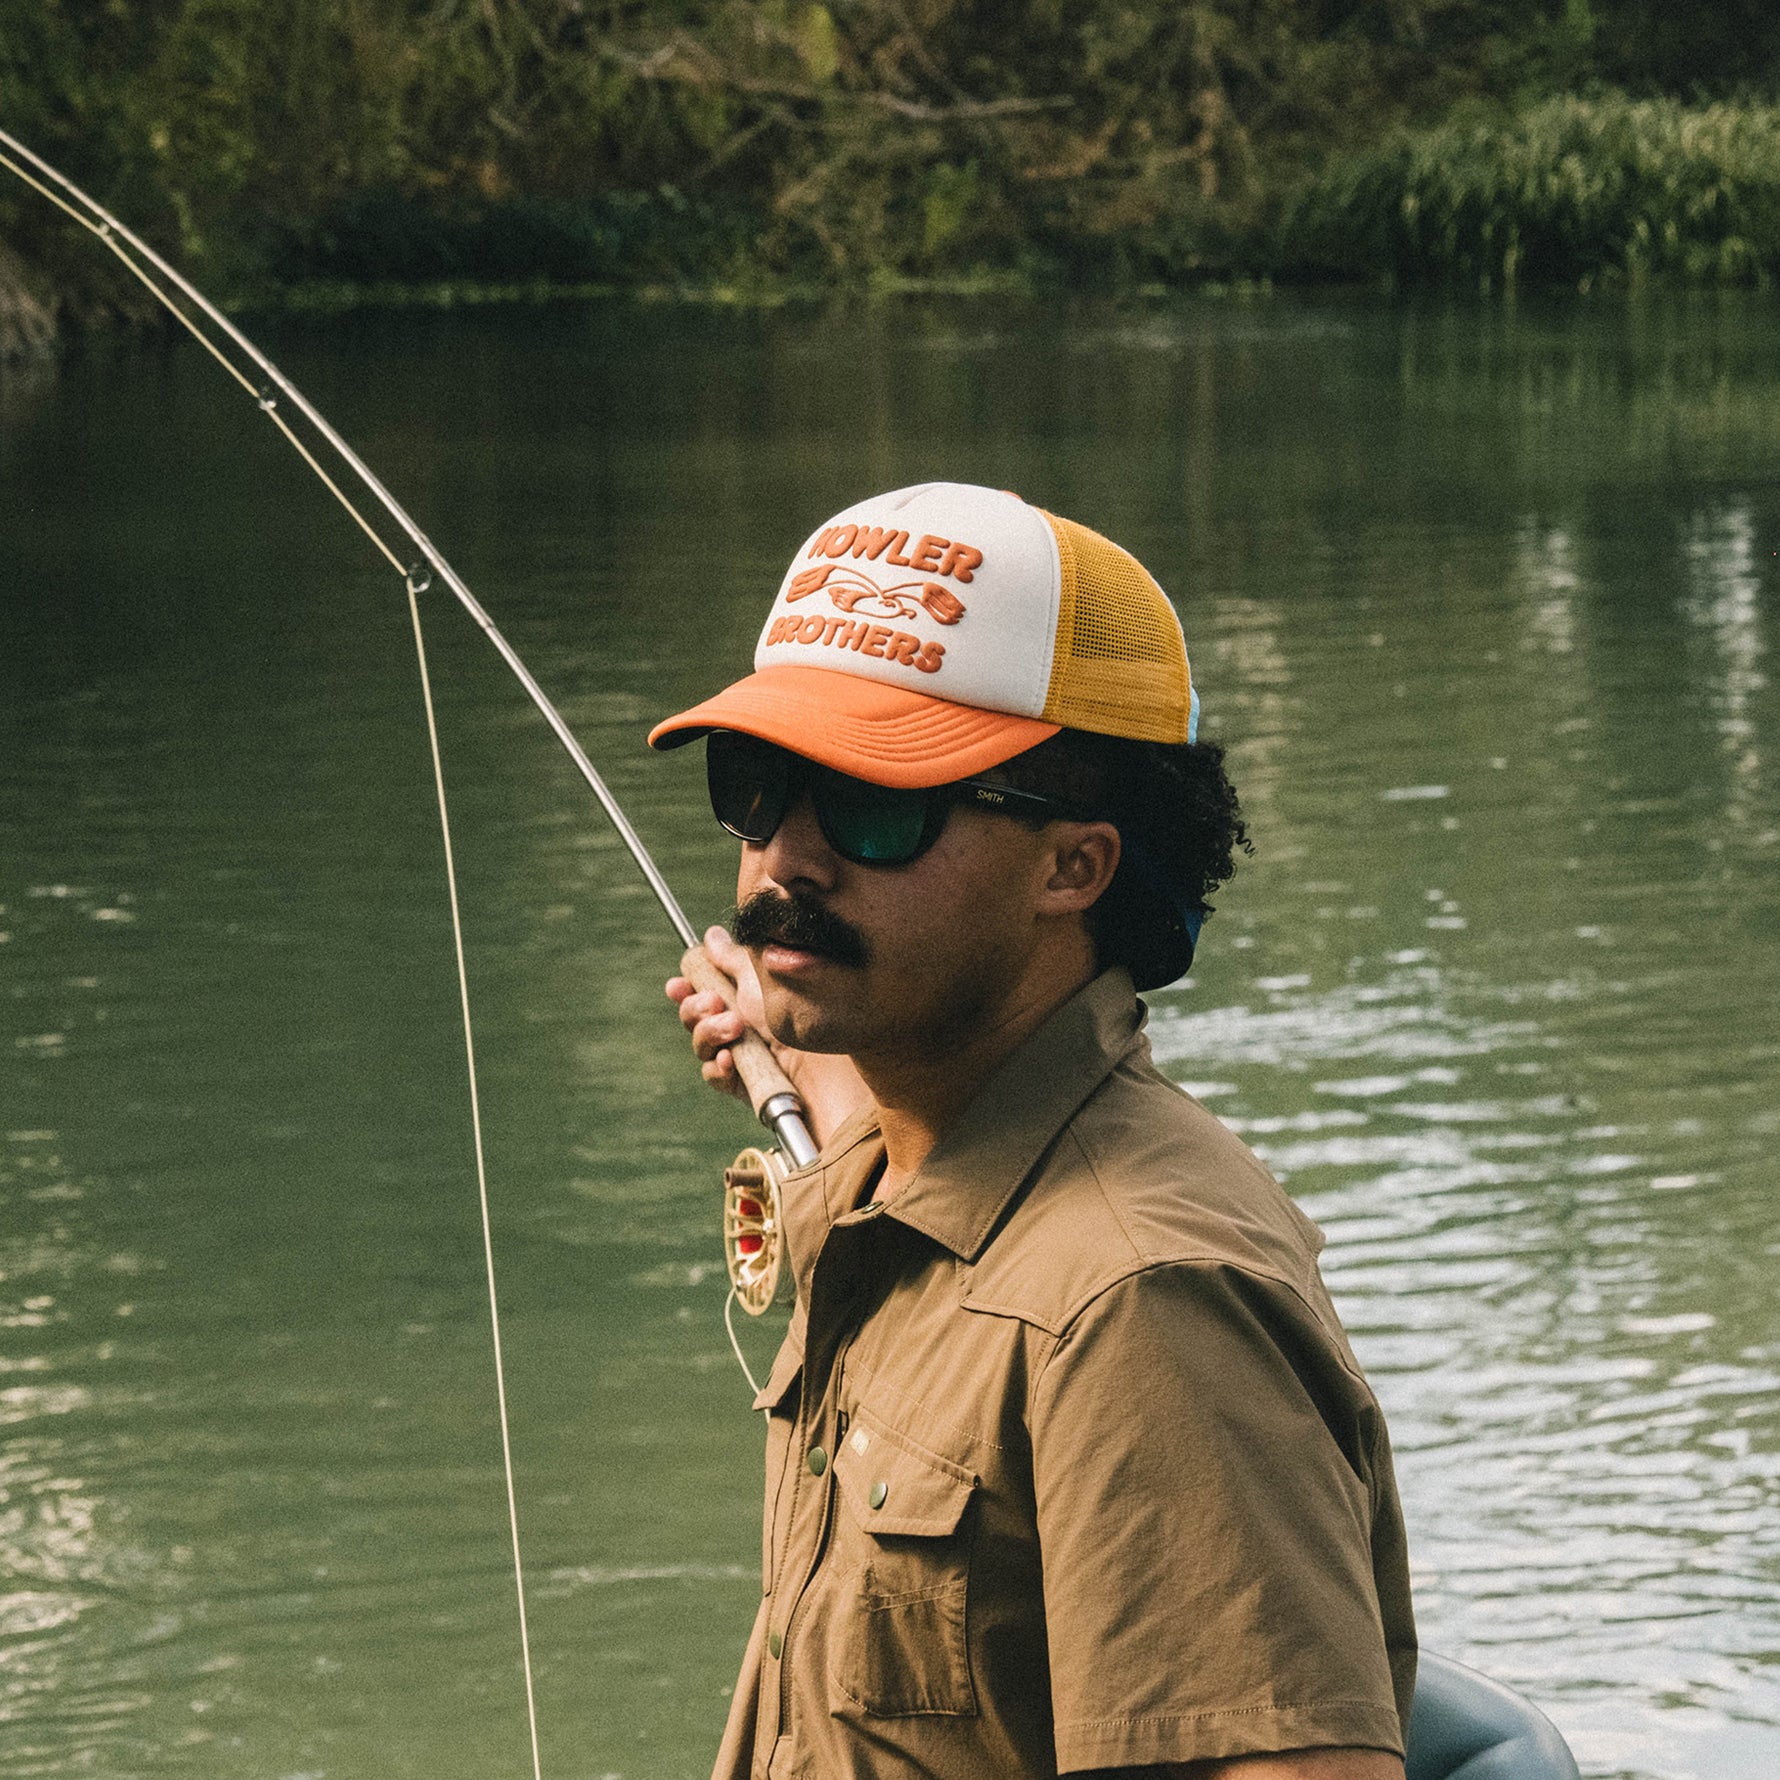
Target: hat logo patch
(859,600)
(852,591)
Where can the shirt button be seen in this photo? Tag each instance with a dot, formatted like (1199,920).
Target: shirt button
(879,1492)
(775,1643)
(817,1460)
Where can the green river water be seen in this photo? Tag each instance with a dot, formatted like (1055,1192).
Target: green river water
(1484,602)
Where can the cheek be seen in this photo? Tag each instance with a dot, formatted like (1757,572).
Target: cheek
(965,903)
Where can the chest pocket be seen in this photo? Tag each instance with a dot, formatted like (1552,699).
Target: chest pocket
(902,1532)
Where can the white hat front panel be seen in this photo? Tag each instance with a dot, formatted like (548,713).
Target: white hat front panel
(946,589)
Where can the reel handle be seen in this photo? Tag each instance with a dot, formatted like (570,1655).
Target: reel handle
(775,1101)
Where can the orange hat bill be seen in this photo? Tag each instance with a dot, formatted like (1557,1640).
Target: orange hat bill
(889,735)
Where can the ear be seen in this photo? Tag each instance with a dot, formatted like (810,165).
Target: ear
(1082,860)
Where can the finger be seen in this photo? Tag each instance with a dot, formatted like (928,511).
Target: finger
(737,962)
(713,1036)
(723,952)
(703,1001)
(696,1009)
(720,1073)
(697,1002)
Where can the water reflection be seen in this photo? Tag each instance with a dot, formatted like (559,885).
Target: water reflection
(1724,601)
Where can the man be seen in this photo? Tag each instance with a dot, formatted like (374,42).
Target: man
(1069,1466)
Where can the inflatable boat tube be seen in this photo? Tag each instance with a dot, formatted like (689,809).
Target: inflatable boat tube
(1464,1726)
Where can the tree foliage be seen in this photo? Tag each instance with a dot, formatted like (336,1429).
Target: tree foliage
(705,142)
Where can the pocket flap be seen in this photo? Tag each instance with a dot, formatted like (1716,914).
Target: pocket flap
(782,1380)
(892,1487)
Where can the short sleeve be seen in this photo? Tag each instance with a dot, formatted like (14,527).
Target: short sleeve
(1215,1507)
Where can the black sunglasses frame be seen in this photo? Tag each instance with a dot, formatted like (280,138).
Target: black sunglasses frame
(802,776)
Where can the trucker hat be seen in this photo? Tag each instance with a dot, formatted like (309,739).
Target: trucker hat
(933,632)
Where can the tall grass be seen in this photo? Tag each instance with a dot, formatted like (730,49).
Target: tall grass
(1565,191)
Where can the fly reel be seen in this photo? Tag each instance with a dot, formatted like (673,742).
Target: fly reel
(753,1229)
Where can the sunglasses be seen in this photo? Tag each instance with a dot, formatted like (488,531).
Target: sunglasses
(754,783)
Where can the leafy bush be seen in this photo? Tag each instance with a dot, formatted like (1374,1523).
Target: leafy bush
(1564,191)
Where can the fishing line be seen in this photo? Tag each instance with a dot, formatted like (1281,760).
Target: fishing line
(741,1359)
(494,1306)
(774,1099)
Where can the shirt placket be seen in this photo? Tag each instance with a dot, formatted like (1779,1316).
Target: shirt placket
(834,1294)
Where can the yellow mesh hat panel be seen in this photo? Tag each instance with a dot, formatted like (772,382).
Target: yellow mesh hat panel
(1121,662)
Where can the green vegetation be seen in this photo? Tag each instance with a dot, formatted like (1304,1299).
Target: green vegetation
(1569,190)
(293,151)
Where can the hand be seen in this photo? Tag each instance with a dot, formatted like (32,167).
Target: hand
(829,1086)
(715,1022)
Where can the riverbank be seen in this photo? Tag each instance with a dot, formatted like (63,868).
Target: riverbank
(320,155)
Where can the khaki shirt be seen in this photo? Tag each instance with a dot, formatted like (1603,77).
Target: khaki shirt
(1069,1463)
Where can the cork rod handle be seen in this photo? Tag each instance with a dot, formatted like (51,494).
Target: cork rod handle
(754,1062)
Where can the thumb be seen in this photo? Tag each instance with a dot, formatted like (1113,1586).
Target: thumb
(723,952)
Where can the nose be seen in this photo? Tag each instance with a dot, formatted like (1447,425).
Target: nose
(798,853)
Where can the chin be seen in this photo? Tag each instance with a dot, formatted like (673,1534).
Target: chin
(797,1021)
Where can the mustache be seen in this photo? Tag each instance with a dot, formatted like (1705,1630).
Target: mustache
(796,919)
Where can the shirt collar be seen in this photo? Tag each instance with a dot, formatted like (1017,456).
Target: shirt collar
(978,1165)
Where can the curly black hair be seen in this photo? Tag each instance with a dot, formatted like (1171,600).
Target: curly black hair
(1181,823)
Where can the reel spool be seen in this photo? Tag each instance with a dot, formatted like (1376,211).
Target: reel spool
(753,1233)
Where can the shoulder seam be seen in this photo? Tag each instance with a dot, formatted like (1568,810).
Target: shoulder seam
(1155,1264)
(1106,1198)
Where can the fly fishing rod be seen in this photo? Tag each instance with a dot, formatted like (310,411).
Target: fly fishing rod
(776,1101)
(751,1222)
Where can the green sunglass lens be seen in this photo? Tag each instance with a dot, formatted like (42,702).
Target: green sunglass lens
(871,824)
